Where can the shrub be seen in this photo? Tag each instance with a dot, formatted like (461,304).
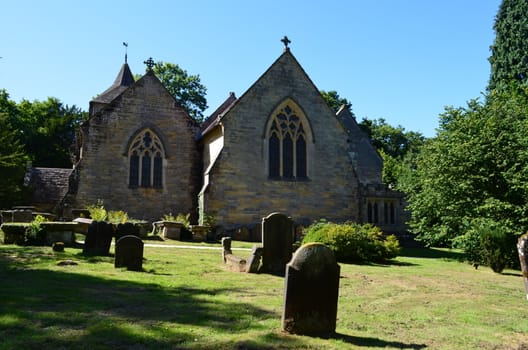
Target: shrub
(490,243)
(354,242)
(98,211)
(182,218)
(36,235)
(117,216)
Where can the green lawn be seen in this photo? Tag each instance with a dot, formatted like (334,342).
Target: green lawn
(187,299)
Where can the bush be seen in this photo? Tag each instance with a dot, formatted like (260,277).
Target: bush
(354,242)
(98,211)
(117,216)
(36,235)
(490,243)
(182,218)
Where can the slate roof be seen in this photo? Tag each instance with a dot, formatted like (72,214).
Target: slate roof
(123,80)
(51,184)
(215,117)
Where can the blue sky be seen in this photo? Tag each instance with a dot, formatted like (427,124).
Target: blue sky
(402,60)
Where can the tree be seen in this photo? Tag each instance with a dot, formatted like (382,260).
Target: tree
(12,156)
(475,170)
(186,89)
(509,58)
(398,148)
(334,101)
(48,131)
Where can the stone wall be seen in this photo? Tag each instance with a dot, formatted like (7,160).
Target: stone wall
(104,166)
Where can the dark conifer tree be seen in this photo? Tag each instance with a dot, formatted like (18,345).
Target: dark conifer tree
(509,52)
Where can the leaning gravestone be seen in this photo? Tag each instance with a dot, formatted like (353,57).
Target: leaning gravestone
(311,291)
(98,238)
(129,253)
(522,248)
(277,240)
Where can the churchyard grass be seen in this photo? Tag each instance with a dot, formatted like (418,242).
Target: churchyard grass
(187,299)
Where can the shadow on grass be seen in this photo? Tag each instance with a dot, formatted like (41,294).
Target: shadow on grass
(375,342)
(47,309)
(432,253)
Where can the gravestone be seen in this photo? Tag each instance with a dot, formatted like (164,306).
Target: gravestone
(311,291)
(129,253)
(126,229)
(254,260)
(98,238)
(226,247)
(522,249)
(277,240)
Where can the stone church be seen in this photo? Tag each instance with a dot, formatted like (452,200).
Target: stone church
(276,148)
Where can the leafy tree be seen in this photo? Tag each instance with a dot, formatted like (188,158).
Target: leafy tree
(398,148)
(475,169)
(48,130)
(12,156)
(509,58)
(393,141)
(334,101)
(186,89)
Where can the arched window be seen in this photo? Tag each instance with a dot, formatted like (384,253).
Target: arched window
(287,143)
(146,156)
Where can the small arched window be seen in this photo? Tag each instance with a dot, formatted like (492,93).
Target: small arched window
(146,156)
(287,143)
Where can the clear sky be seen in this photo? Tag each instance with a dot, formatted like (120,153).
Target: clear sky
(402,60)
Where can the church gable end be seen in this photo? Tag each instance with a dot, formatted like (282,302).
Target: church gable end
(139,154)
(283,150)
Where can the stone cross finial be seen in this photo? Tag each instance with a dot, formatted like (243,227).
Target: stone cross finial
(286,42)
(150,63)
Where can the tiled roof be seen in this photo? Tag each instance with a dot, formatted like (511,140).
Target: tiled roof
(51,184)
(123,80)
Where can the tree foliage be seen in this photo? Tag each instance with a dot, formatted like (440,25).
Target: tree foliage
(41,132)
(186,89)
(475,169)
(48,129)
(13,158)
(398,148)
(509,58)
(334,101)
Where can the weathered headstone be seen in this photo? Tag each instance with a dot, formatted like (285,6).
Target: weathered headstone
(234,263)
(311,291)
(522,248)
(98,238)
(277,240)
(254,260)
(126,229)
(129,253)
(226,247)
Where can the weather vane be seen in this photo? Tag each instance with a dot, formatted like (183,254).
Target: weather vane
(126,49)
(286,42)
(150,63)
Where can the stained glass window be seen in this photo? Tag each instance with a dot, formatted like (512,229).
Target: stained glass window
(146,160)
(287,146)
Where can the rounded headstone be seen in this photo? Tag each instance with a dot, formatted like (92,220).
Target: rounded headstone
(313,259)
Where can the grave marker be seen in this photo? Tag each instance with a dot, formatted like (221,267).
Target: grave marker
(129,253)
(311,291)
(277,240)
